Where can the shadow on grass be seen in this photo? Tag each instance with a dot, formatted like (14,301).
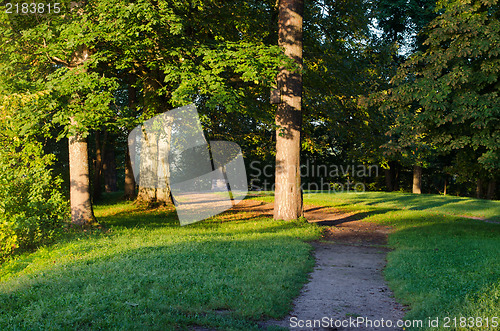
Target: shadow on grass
(352,217)
(110,198)
(143,218)
(441,266)
(165,217)
(459,206)
(169,285)
(413,201)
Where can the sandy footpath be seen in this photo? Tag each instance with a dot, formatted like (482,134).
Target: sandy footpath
(346,290)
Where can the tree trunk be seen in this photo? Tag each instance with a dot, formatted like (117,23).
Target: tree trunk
(490,194)
(79,177)
(445,185)
(479,188)
(417,179)
(149,165)
(148,169)
(81,207)
(129,187)
(288,197)
(388,180)
(163,192)
(109,170)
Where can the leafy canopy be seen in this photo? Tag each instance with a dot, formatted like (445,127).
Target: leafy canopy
(449,94)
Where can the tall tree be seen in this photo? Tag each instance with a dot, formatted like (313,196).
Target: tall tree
(417,179)
(54,53)
(448,93)
(180,46)
(288,195)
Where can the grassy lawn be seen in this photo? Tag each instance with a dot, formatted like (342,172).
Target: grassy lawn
(149,273)
(442,265)
(229,272)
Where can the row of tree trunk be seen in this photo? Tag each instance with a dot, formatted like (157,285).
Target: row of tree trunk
(288,195)
(489,186)
(104,165)
(484,190)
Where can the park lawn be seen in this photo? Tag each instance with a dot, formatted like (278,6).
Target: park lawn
(148,273)
(441,265)
(233,270)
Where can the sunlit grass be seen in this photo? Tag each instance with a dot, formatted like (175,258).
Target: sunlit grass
(144,271)
(147,272)
(442,264)
(365,201)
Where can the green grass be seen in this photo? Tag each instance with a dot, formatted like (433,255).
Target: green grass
(149,273)
(370,201)
(234,270)
(441,265)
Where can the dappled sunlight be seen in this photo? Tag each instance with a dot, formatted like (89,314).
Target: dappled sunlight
(139,228)
(458,206)
(237,266)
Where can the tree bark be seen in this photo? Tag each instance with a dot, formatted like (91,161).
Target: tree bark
(417,179)
(479,188)
(80,201)
(129,187)
(109,170)
(81,206)
(154,166)
(288,197)
(148,169)
(490,194)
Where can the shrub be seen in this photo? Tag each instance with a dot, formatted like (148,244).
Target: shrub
(32,208)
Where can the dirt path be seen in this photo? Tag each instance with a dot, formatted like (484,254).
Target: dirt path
(347,285)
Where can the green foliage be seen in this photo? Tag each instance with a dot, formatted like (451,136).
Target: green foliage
(178,51)
(345,60)
(83,96)
(49,53)
(430,203)
(449,93)
(402,20)
(32,208)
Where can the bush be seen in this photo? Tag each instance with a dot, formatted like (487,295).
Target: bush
(32,208)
